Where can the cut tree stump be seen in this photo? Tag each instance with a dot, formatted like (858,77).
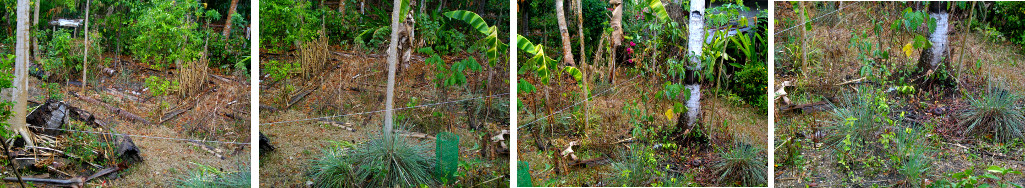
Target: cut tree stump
(127,151)
(265,144)
(52,115)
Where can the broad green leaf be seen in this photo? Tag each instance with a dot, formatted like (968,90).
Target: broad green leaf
(470,18)
(525,87)
(524,45)
(659,10)
(404,6)
(573,71)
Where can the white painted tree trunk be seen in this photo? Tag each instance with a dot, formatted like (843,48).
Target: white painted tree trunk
(938,38)
(393,58)
(21,64)
(695,40)
(560,14)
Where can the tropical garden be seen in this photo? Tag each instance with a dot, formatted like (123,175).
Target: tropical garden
(124,93)
(399,93)
(642,93)
(899,94)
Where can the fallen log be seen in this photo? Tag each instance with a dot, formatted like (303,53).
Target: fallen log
(299,97)
(810,107)
(210,149)
(71,182)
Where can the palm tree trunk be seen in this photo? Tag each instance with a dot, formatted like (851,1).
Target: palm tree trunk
(227,23)
(695,40)
(21,64)
(567,53)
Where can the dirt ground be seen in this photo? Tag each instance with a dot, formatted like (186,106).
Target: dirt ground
(165,161)
(974,59)
(356,83)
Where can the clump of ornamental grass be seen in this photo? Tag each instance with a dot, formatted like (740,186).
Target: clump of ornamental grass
(742,165)
(209,177)
(994,115)
(374,163)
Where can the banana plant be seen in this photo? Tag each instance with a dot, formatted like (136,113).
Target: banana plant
(495,46)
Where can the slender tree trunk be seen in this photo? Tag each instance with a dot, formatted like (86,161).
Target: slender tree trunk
(341,7)
(35,28)
(804,45)
(695,40)
(85,56)
(393,59)
(567,52)
(580,31)
(583,65)
(21,64)
(931,57)
(617,35)
(227,23)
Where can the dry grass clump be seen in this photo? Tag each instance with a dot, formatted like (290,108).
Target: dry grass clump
(313,57)
(191,77)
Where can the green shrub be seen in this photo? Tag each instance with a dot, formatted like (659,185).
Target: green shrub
(286,21)
(995,114)
(372,164)
(742,165)
(168,34)
(1009,19)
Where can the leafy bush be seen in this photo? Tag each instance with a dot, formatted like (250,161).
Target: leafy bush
(374,164)
(994,176)
(1010,20)
(995,114)
(742,165)
(168,34)
(209,177)
(287,21)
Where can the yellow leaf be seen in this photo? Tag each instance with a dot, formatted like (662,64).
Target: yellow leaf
(907,49)
(669,113)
